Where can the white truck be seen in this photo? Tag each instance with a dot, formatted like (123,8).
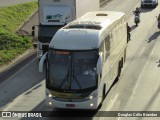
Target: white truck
(54,14)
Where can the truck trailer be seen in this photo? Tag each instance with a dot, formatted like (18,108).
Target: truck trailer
(54,14)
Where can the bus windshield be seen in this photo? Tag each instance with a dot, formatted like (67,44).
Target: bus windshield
(72,70)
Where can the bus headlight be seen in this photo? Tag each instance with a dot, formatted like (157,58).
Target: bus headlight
(91,97)
(50,95)
(91,105)
(50,103)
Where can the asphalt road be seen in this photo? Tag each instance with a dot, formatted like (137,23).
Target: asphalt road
(4,3)
(137,89)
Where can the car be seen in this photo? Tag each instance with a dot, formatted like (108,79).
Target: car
(153,3)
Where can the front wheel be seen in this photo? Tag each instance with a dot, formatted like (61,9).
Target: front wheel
(104,93)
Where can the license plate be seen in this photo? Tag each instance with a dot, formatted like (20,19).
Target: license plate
(70,105)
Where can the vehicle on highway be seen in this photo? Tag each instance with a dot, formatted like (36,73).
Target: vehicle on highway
(84,59)
(54,14)
(137,19)
(137,16)
(153,3)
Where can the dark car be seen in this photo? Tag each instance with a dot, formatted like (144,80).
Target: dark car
(153,3)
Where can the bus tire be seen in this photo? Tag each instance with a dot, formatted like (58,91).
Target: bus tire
(125,56)
(104,93)
(122,61)
(119,68)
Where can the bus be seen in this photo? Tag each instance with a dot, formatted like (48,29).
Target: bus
(84,59)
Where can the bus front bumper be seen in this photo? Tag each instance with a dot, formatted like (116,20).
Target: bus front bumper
(88,104)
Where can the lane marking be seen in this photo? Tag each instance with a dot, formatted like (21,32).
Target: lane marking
(112,103)
(23,68)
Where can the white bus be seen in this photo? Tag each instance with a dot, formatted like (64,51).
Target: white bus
(84,59)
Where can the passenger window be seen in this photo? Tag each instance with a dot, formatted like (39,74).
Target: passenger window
(107,46)
(102,50)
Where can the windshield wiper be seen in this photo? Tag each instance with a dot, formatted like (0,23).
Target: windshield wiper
(66,78)
(74,77)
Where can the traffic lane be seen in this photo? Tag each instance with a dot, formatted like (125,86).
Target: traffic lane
(25,78)
(4,3)
(19,62)
(150,80)
(126,6)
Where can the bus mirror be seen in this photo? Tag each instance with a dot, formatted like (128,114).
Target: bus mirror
(99,64)
(41,62)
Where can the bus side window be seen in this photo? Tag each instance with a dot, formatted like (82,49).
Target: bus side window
(107,46)
(101,49)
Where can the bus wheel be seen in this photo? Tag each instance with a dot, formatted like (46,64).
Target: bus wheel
(125,56)
(119,68)
(122,61)
(104,92)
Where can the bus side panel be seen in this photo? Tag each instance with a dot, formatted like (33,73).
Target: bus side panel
(118,44)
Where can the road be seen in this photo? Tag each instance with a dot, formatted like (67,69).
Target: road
(137,89)
(4,3)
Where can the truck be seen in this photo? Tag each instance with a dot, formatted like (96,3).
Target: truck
(54,14)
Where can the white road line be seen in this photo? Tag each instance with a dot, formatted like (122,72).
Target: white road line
(18,72)
(112,102)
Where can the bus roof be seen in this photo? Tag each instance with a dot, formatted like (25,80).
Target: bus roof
(85,32)
(99,19)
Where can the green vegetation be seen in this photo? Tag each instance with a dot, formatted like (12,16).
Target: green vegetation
(10,19)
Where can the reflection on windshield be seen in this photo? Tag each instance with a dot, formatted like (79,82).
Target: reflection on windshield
(72,70)
(58,67)
(84,67)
